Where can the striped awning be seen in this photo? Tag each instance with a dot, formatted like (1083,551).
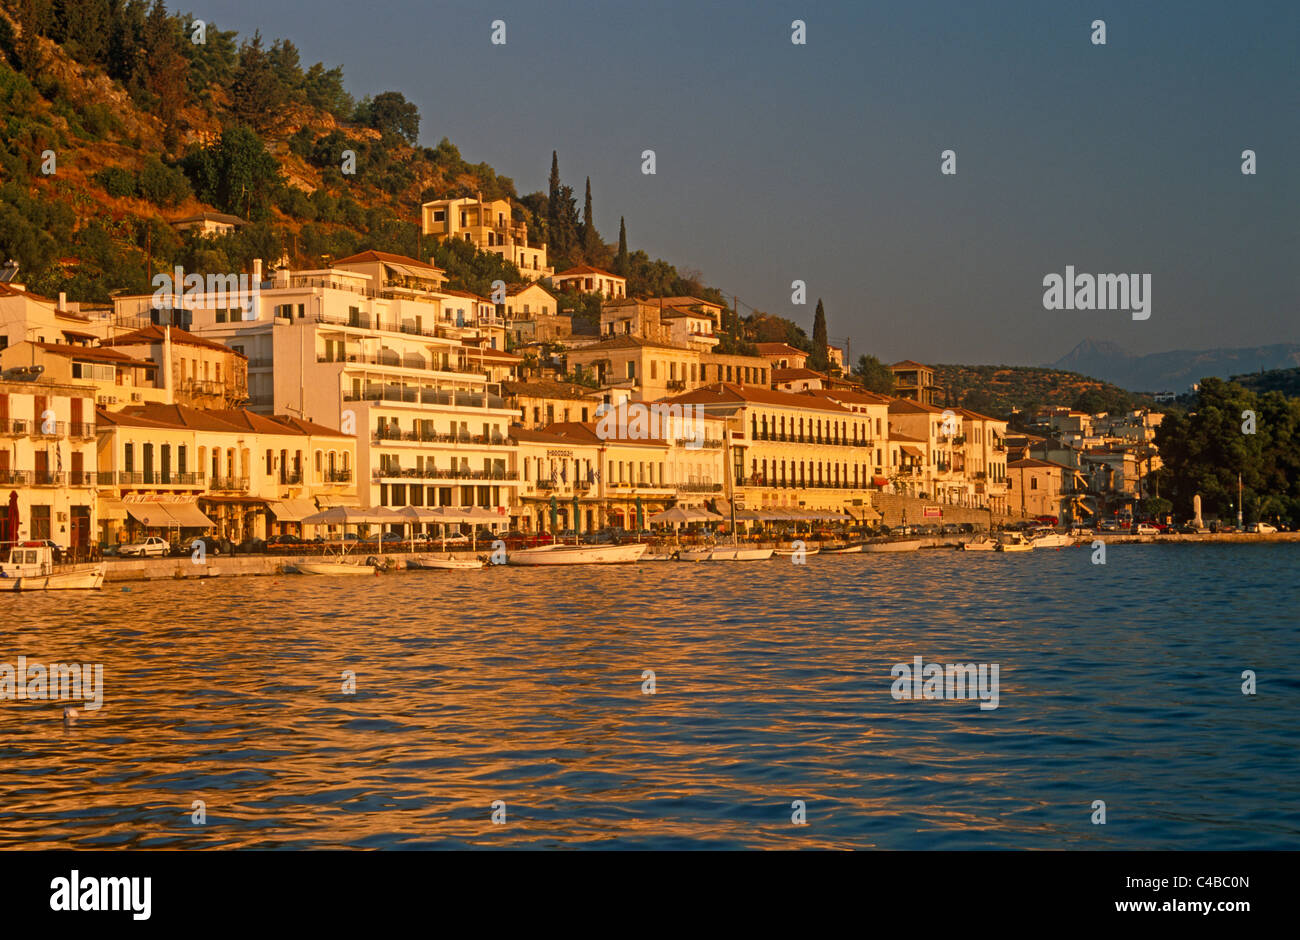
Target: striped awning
(186,515)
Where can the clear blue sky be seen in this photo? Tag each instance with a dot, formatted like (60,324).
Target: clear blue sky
(821,162)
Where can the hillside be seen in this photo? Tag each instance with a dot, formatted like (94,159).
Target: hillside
(1286,381)
(997,390)
(114,122)
(1176,370)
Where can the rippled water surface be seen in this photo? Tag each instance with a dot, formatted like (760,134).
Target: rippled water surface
(1119,683)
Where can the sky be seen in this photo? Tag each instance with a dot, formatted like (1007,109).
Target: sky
(820,162)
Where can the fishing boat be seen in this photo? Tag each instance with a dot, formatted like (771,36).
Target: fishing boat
(844,550)
(578,554)
(446,563)
(1015,542)
(695,554)
(31,567)
(892,545)
(981,544)
(787,551)
(741,553)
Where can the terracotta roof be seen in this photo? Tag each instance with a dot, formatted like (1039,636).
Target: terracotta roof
(625,341)
(728,392)
(585,432)
(778,349)
(8,290)
(546,388)
(859,396)
(520,288)
(587,269)
(303,426)
(464,293)
(787,375)
(157,334)
(977,416)
(1035,463)
(906,405)
(895,436)
(94,352)
(210,217)
(385,257)
(910,364)
(128,420)
(688,302)
(521,433)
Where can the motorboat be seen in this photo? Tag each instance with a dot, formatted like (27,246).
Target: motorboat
(578,554)
(1015,543)
(335,568)
(892,545)
(844,550)
(1047,538)
(981,544)
(31,567)
(446,563)
(740,553)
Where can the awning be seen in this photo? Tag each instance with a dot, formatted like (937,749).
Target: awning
(911,451)
(292,510)
(327,501)
(166,515)
(111,509)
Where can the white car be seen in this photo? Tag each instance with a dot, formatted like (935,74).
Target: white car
(153,545)
(1146,528)
(1262,528)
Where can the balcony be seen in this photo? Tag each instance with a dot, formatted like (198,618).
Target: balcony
(48,429)
(337,476)
(229,484)
(413,396)
(13,428)
(676,385)
(291,479)
(48,478)
(155,478)
(81,431)
(15,477)
(434,437)
(82,478)
(429,473)
(394,362)
(699,487)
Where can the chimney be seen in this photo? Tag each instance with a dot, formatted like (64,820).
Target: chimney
(257,271)
(63,301)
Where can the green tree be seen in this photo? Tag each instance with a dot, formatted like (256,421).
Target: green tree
(590,239)
(875,375)
(236,174)
(257,96)
(390,112)
(818,361)
(621,259)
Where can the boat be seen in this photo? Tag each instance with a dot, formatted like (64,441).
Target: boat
(1015,543)
(695,554)
(786,552)
(334,568)
(981,544)
(578,554)
(844,550)
(741,553)
(1046,538)
(447,563)
(31,567)
(892,545)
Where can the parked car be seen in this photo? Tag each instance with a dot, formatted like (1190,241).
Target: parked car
(1145,528)
(250,547)
(211,546)
(1261,528)
(1191,528)
(153,545)
(286,539)
(389,538)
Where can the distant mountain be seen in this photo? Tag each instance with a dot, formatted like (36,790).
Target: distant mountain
(1173,371)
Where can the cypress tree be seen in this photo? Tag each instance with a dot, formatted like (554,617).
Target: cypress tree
(818,360)
(555,230)
(590,240)
(621,260)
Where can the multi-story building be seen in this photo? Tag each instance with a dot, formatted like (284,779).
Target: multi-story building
(488,226)
(782,355)
(196,372)
(915,381)
(115,377)
(374,346)
(589,279)
(1045,488)
(178,471)
(47,462)
(544,402)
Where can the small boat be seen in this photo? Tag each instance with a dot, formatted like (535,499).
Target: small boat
(892,545)
(447,563)
(659,556)
(334,568)
(740,553)
(31,567)
(981,544)
(578,554)
(1046,538)
(844,550)
(1015,543)
(786,551)
(695,554)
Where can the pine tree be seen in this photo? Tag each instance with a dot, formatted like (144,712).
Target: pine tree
(621,259)
(590,239)
(818,360)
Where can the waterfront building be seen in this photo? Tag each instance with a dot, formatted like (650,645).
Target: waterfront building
(47,461)
(915,381)
(1045,488)
(543,402)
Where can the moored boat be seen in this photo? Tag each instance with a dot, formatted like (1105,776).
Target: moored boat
(786,551)
(981,544)
(31,567)
(1046,538)
(333,568)
(446,563)
(578,554)
(739,553)
(1015,543)
(892,545)
(844,550)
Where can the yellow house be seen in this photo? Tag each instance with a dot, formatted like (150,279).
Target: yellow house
(589,279)
(488,226)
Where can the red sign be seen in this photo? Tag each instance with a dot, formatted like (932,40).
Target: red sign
(932,512)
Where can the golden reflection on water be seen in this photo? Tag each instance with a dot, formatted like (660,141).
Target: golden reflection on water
(525,685)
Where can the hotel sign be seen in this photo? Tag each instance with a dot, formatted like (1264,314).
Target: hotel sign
(932,512)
